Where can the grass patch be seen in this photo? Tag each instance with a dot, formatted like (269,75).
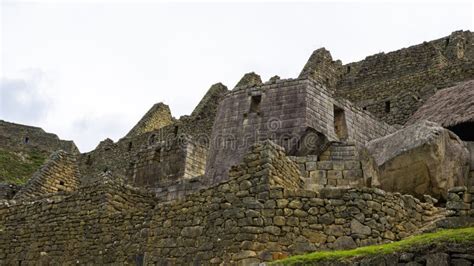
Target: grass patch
(17,168)
(461,235)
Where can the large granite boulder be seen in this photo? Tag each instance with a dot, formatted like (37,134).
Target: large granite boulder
(423,158)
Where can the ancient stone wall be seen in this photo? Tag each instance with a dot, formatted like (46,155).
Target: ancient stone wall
(285,111)
(163,163)
(322,68)
(338,166)
(157,117)
(394,85)
(461,200)
(7,191)
(260,214)
(21,137)
(101,223)
(59,173)
(252,218)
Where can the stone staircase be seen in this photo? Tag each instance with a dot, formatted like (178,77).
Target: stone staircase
(338,166)
(339,151)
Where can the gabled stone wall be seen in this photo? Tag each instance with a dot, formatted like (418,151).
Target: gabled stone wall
(157,117)
(59,173)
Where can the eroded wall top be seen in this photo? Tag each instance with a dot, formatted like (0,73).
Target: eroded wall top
(394,85)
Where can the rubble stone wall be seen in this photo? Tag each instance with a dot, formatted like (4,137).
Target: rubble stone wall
(394,85)
(18,137)
(461,201)
(98,224)
(59,173)
(7,191)
(252,218)
(260,214)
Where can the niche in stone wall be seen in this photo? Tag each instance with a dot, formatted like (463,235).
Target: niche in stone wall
(311,142)
(255,103)
(26,140)
(340,126)
(152,139)
(387,106)
(464,131)
(176,130)
(89,160)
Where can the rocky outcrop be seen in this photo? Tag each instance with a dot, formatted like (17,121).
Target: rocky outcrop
(423,158)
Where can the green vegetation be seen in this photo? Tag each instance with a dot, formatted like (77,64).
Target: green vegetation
(449,235)
(17,168)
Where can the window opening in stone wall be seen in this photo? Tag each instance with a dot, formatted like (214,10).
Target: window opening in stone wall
(26,140)
(152,139)
(130,145)
(447,42)
(255,103)
(387,107)
(364,108)
(176,128)
(340,126)
(465,131)
(348,69)
(61,183)
(89,160)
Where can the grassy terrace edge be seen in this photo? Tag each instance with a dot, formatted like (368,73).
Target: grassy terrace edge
(18,167)
(461,235)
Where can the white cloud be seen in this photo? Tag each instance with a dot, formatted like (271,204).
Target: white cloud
(23,99)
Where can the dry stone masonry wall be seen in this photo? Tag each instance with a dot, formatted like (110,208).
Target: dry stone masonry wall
(157,117)
(18,137)
(59,173)
(394,85)
(251,218)
(287,112)
(164,163)
(101,223)
(460,201)
(338,166)
(255,174)
(260,214)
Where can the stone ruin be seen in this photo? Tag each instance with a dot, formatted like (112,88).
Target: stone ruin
(340,157)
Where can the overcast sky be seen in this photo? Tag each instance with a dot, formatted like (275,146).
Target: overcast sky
(90,71)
